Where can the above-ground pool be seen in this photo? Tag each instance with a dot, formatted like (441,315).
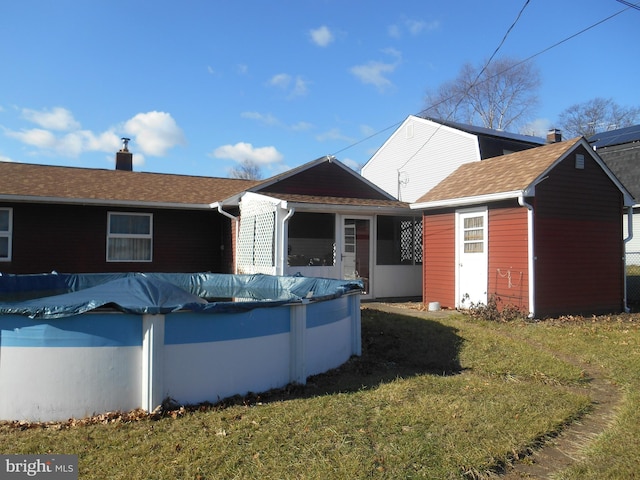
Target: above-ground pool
(72,346)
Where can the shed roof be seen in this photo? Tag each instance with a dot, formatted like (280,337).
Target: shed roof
(500,175)
(29,182)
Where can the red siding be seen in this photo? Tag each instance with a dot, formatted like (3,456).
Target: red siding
(508,267)
(68,238)
(439,259)
(578,241)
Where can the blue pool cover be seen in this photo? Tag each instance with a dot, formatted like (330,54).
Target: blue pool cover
(62,295)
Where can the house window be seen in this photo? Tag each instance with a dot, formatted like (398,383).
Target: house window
(129,237)
(579,161)
(6,230)
(312,240)
(399,240)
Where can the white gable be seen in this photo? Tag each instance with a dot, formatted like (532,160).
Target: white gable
(417,156)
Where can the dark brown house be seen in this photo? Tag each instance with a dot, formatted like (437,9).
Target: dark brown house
(539,229)
(90,220)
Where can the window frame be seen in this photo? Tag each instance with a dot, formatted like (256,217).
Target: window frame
(130,236)
(8,234)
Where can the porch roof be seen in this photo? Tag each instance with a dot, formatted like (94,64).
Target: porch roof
(326,203)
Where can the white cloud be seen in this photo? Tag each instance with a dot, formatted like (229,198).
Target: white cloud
(36,137)
(155,132)
(281,80)
(538,127)
(56,119)
(321,36)
(301,126)
(333,134)
(242,69)
(299,88)
(352,164)
(295,86)
(2,157)
(367,130)
(266,119)
(71,144)
(271,121)
(243,151)
(412,26)
(375,73)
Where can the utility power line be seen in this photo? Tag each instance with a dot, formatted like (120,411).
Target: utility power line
(422,112)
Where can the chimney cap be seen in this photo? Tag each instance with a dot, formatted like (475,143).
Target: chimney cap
(125,144)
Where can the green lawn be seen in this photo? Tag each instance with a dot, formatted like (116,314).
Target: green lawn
(429,398)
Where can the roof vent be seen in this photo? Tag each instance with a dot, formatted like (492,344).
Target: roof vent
(124,158)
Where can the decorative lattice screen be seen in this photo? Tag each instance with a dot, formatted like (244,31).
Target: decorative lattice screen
(411,241)
(256,237)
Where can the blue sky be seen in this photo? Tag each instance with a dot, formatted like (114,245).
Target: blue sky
(200,85)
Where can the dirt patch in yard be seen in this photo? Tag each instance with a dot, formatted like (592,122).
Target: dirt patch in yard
(557,452)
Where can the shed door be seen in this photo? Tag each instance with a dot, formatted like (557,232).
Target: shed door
(472,258)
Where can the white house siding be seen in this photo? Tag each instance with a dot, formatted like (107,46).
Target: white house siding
(397,281)
(417,156)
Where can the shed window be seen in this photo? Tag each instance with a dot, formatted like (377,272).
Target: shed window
(474,234)
(312,239)
(6,233)
(129,237)
(580,161)
(399,240)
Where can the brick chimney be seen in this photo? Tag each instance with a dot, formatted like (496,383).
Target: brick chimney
(554,136)
(124,158)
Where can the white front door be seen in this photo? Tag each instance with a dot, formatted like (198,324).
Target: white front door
(356,248)
(472,256)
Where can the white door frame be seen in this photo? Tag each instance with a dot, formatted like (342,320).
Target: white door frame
(480,280)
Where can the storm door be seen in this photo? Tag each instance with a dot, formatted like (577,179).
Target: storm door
(471,249)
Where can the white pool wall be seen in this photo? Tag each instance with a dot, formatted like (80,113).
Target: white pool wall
(53,370)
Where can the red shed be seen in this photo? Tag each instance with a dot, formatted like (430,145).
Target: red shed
(539,229)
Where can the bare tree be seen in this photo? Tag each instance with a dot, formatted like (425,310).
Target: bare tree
(596,115)
(247,170)
(501,96)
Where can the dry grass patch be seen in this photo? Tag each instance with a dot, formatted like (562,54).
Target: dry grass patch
(447,398)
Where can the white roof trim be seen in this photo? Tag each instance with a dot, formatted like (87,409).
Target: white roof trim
(458,202)
(104,202)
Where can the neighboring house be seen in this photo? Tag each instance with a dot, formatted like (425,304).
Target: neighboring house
(422,152)
(620,150)
(539,229)
(81,220)
(325,220)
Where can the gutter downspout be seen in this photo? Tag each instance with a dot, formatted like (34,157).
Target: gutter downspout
(284,240)
(531,260)
(235,240)
(624,257)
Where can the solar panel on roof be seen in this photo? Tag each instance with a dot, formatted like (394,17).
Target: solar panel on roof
(616,137)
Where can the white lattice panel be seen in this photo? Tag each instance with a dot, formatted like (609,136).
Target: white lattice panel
(256,237)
